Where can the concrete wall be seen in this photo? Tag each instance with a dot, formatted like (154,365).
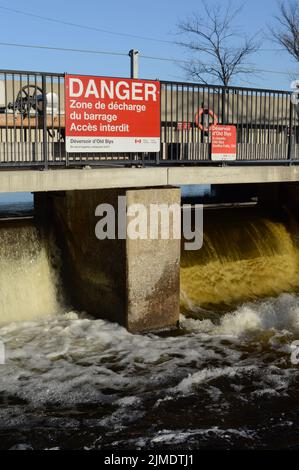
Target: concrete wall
(93,271)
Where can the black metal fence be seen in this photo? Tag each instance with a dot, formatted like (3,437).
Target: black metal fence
(32,131)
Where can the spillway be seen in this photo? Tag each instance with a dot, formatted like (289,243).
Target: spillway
(28,282)
(246,255)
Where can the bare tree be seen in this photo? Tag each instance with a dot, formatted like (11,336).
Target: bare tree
(222,50)
(286,30)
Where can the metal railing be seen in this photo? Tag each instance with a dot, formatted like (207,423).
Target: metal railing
(32,131)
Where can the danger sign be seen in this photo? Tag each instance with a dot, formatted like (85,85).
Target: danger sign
(111,114)
(224,143)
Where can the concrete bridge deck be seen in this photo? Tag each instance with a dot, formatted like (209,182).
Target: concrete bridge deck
(105,178)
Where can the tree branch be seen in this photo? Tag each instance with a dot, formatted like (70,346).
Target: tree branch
(213,36)
(286,31)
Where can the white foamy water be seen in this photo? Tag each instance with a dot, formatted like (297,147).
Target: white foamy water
(213,369)
(281,313)
(27,280)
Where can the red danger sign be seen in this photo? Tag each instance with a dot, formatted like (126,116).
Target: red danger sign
(224,143)
(111,114)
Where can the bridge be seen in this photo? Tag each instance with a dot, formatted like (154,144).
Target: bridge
(266,121)
(136,282)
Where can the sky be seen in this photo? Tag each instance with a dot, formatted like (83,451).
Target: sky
(153,19)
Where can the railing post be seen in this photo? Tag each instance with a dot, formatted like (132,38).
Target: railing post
(223,106)
(44,116)
(160,153)
(290,143)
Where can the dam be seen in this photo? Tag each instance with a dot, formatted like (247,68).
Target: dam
(129,343)
(143,284)
(74,379)
(249,252)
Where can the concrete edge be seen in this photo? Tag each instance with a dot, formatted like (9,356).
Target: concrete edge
(106,178)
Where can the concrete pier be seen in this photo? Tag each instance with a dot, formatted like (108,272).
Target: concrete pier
(153,269)
(134,282)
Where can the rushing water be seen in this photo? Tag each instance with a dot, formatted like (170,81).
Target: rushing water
(225,379)
(73,382)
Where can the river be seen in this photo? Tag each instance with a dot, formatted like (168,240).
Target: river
(226,379)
